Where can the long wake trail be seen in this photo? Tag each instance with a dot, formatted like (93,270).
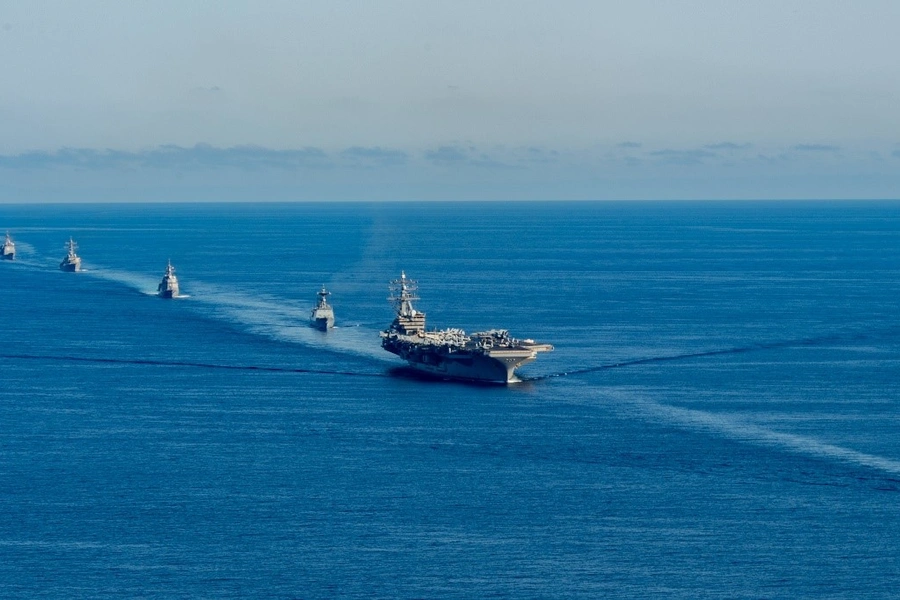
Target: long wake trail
(794,343)
(166,363)
(748,432)
(266,316)
(284,321)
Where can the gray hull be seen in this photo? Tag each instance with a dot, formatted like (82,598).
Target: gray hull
(167,289)
(481,369)
(322,318)
(322,323)
(489,366)
(70,267)
(8,249)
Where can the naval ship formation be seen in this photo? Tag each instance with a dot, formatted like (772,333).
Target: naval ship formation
(489,356)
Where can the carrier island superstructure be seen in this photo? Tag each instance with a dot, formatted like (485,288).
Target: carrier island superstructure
(488,356)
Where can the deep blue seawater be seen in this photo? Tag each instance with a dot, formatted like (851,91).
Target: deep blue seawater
(720,418)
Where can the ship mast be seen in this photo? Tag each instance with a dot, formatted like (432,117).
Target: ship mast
(323,295)
(403,292)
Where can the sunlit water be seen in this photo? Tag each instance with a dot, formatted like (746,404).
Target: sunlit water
(720,417)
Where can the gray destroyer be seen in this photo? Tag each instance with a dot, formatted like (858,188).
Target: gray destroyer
(322,316)
(9,249)
(489,356)
(72,262)
(168,287)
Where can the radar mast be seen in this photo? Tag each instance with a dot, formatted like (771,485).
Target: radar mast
(403,292)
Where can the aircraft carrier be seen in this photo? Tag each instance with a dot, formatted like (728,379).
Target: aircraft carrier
(488,356)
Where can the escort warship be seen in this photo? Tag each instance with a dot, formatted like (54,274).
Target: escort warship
(9,248)
(72,262)
(168,287)
(322,316)
(489,356)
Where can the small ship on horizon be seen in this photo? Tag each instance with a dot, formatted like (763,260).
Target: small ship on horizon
(72,262)
(168,287)
(9,249)
(489,356)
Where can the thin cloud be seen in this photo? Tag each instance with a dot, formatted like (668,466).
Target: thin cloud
(374,156)
(78,158)
(629,145)
(169,157)
(772,160)
(248,157)
(683,157)
(448,155)
(815,148)
(728,146)
(535,154)
(464,156)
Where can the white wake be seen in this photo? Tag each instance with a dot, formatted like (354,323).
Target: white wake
(740,429)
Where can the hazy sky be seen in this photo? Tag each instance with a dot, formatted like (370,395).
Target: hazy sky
(184,100)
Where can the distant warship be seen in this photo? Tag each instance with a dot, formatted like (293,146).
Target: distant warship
(168,287)
(322,316)
(490,356)
(72,262)
(9,248)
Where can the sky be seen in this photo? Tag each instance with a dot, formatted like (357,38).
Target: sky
(457,100)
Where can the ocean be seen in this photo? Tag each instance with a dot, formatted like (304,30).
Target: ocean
(720,416)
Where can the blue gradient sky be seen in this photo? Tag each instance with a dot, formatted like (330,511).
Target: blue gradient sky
(411,100)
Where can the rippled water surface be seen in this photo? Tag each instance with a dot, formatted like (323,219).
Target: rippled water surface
(720,417)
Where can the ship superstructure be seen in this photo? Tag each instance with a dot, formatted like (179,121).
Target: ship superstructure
(322,316)
(488,356)
(9,249)
(168,287)
(72,262)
